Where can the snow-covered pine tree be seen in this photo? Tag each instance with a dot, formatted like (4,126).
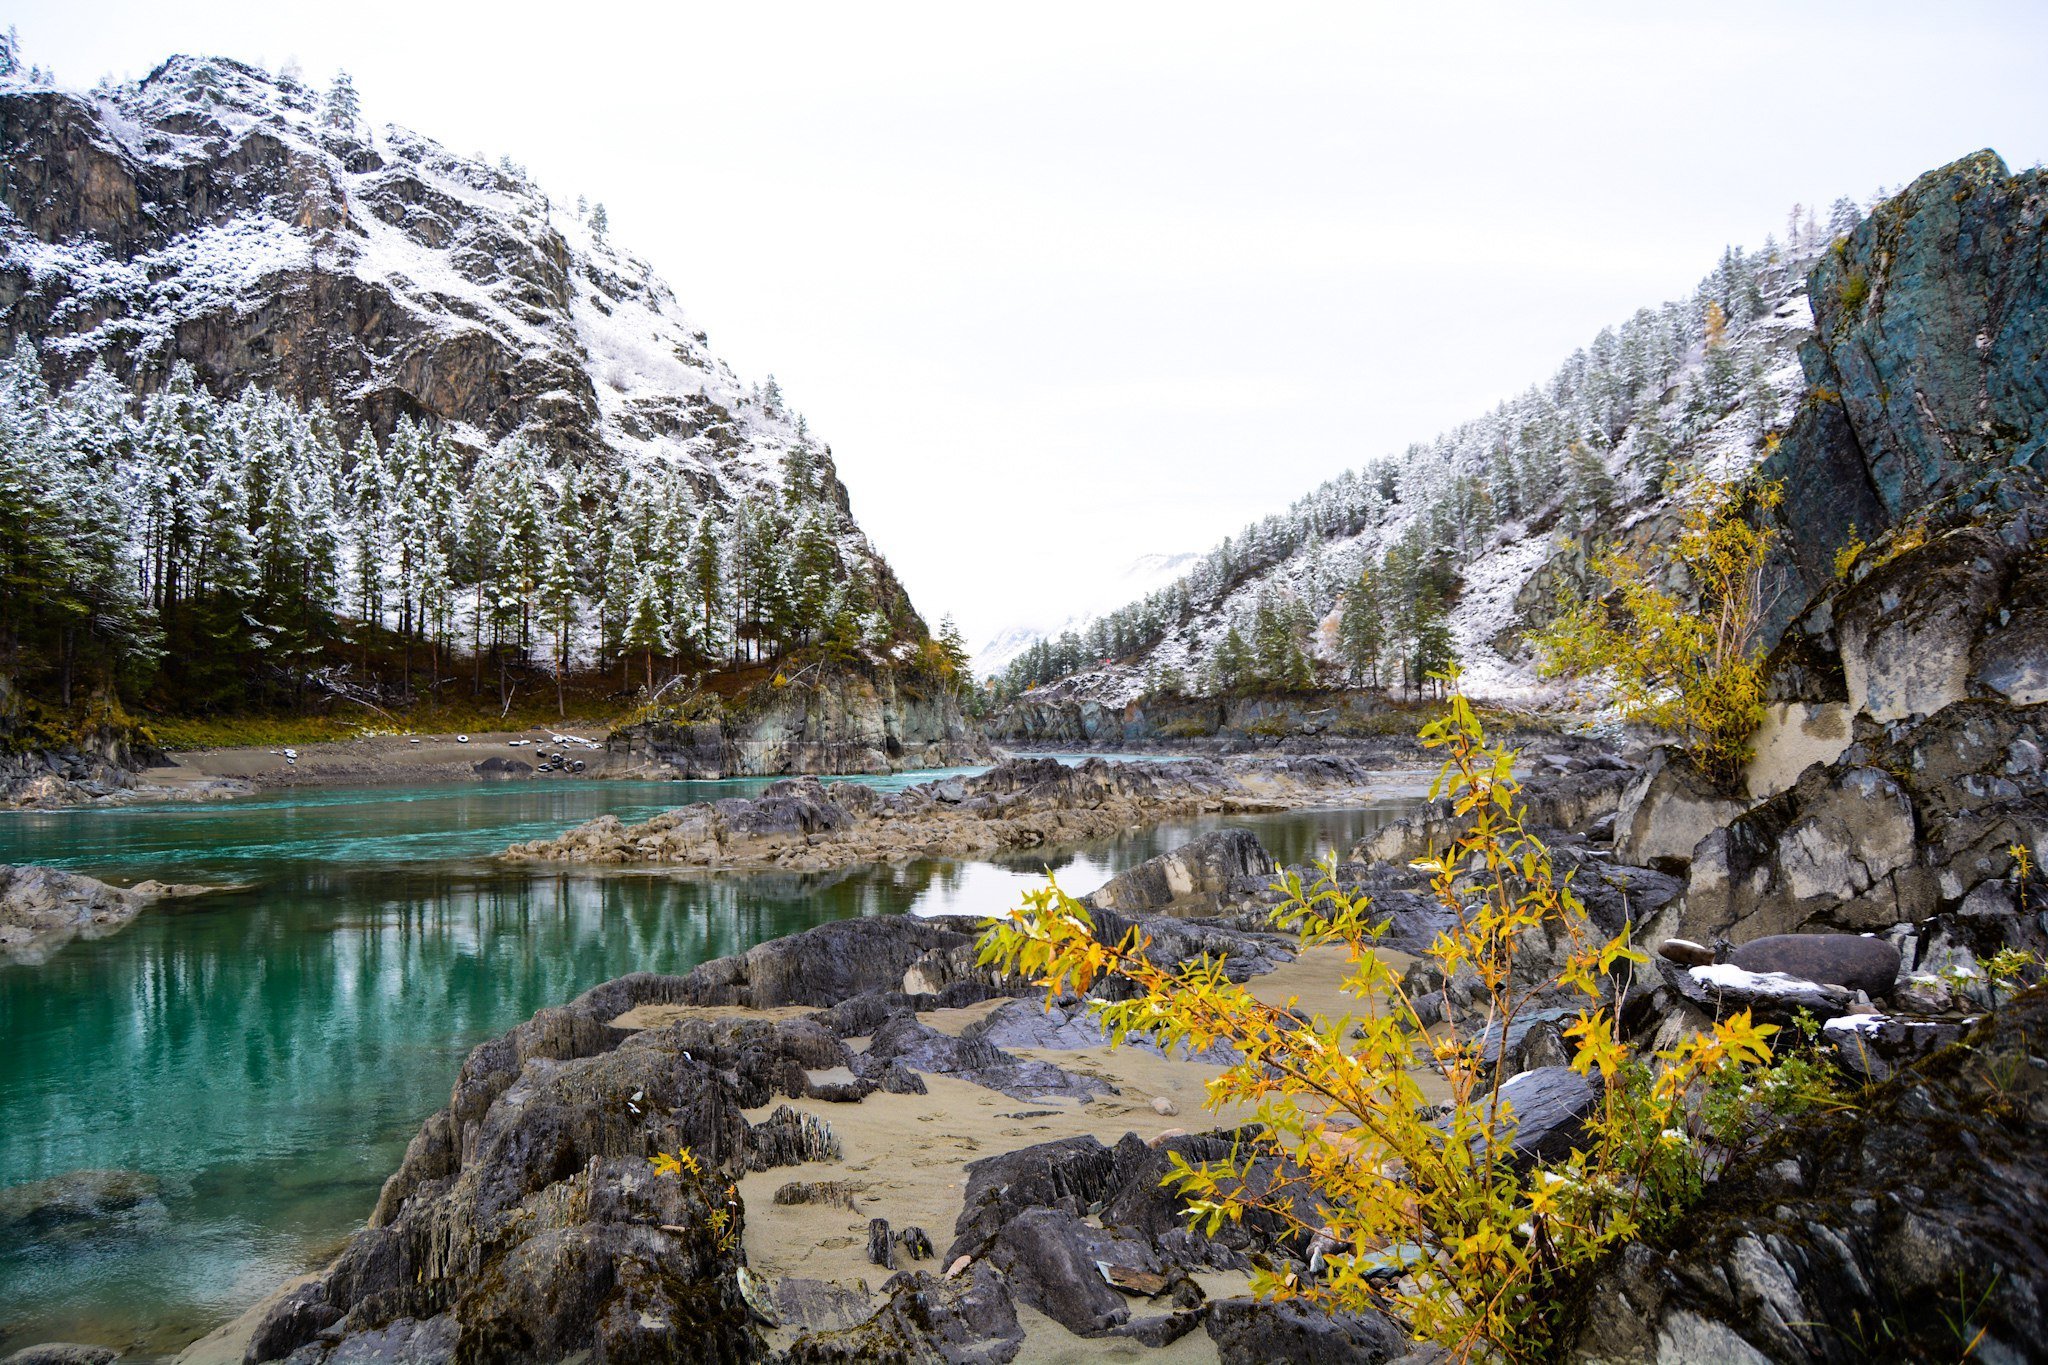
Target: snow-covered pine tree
(342,110)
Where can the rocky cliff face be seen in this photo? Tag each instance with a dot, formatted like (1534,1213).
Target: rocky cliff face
(207,213)
(846,724)
(1926,383)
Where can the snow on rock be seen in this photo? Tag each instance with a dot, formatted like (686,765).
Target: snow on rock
(218,202)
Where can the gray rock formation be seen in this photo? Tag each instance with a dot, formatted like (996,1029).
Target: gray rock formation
(1925,373)
(846,722)
(1909,1227)
(1194,876)
(1019,804)
(1570,801)
(1665,811)
(43,908)
(1910,822)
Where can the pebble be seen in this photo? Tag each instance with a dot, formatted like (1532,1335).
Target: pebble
(1164,1107)
(1686,953)
(960,1263)
(1168,1133)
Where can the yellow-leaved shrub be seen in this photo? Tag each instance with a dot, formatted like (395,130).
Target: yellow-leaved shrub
(1681,642)
(1432,1216)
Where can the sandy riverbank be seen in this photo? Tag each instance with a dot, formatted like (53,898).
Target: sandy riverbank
(375,758)
(905,1155)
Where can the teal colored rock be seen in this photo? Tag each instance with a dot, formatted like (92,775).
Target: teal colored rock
(1928,374)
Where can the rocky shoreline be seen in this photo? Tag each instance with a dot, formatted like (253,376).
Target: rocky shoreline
(43,908)
(924,1162)
(805,825)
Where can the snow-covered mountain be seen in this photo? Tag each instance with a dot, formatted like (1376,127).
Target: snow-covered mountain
(216,216)
(1471,534)
(1142,576)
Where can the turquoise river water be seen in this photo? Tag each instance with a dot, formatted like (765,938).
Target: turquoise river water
(267,1054)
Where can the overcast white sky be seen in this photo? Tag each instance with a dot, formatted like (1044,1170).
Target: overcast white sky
(1067,284)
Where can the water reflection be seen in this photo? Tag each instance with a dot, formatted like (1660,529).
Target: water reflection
(266,1055)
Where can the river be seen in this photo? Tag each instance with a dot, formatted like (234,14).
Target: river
(267,1054)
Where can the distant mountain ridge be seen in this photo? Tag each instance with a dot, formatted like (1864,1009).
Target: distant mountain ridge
(1143,575)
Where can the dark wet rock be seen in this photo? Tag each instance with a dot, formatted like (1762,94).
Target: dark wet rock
(836,962)
(1201,871)
(1920,1208)
(881,1246)
(1260,1331)
(969,1319)
(1125,1185)
(1065,1023)
(528,1211)
(92,1198)
(1173,942)
(1068,1174)
(62,1353)
(407,1341)
(1550,1105)
(1049,1257)
(1851,961)
(905,1042)
(499,766)
(1534,1039)
(818,1305)
(1873,1047)
(292,1322)
(916,1244)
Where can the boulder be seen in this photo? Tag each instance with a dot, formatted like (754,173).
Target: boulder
(1666,810)
(1870,965)
(1550,1105)
(498,766)
(77,1197)
(1261,1331)
(1050,1258)
(1201,870)
(964,1319)
(62,1353)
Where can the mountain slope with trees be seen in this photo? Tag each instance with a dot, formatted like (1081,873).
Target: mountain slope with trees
(296,410)
(1452,548)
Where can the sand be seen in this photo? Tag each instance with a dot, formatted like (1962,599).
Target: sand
(373,758)
(905,1154)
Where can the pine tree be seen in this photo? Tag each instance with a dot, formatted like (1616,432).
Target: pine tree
(600,221)
(1362,629)
(558,609)
(1233,662)
(342,110)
